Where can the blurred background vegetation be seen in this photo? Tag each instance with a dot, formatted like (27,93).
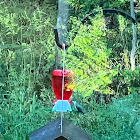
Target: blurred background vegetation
(99,55)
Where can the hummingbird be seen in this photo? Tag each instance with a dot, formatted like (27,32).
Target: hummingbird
(78,107)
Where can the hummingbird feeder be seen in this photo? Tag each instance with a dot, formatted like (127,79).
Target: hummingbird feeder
(62,102)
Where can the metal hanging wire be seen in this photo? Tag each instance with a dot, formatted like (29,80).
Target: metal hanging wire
(62,114)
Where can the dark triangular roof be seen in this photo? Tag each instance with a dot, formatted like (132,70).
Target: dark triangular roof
(52,131)
(61,138)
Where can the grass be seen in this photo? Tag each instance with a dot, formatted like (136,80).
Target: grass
(115,121)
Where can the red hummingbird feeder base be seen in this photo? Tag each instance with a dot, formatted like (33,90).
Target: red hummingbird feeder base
(57,77)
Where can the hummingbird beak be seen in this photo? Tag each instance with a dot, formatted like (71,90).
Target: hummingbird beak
(74,102)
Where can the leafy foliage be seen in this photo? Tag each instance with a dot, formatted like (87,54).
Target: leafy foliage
(117,120)
(88,57)
(27,59)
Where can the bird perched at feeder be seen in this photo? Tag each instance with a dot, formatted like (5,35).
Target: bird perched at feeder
(78,107)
